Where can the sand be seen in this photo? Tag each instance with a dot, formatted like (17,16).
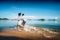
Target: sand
(40,34)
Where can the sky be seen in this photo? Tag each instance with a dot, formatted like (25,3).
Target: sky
(31,9)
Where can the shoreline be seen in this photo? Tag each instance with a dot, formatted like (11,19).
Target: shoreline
(41,33)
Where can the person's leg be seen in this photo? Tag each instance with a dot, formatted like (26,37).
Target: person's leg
(20,27)
(23,23)
(17,27)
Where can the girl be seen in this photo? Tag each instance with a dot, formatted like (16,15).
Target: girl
(19,26)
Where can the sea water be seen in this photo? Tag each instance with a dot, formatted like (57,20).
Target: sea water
(5,24)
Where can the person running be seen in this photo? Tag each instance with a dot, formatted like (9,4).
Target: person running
(19,25)
(24,21)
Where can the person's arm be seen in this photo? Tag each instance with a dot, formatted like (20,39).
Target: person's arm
(18,18)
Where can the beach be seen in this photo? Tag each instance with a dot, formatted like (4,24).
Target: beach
(39,34)
(37,19)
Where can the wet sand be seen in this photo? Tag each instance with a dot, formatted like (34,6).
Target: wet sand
(44,34)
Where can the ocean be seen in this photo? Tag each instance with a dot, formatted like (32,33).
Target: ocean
(5,24)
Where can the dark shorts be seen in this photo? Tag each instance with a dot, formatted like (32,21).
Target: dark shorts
(23,23)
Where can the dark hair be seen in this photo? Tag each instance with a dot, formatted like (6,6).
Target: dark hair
(19,14)
(22,14)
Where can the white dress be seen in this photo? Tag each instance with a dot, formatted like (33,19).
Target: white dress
(20,20)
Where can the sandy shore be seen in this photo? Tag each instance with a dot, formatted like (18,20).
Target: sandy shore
(40,34)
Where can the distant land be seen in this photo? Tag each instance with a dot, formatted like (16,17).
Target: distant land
(41,19)
(16,19)
(4,19)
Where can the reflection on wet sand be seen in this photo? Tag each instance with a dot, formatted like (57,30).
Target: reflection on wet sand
(31,34)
